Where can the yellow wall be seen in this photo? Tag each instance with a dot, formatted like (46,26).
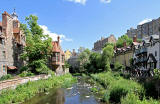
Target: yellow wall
(67,54)
(124,58)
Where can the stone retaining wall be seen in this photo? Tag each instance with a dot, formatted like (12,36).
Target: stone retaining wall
(14,82)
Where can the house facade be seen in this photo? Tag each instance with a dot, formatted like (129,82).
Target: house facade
(12,42)
(147,54)
(57,58)
(125,53)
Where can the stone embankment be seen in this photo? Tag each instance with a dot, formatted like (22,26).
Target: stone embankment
(14,82)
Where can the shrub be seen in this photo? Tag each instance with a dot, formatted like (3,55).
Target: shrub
(26,74)
(118,67)
(132,98)
(116,86)
(5,77)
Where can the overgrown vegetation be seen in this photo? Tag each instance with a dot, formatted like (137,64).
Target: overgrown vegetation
(38,47)
(28,90)
(91,62)
(5,77)
(116,86)
(122,39)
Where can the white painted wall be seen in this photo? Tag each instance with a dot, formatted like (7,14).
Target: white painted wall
(152,49)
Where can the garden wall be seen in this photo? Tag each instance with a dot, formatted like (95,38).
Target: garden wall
(14,82)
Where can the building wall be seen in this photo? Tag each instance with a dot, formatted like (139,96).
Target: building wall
(152,49)
(11,50)
(132,32)
(100,43)
(148,29)
(124,58)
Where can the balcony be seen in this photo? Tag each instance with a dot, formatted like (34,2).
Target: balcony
(140,51)
(143,50)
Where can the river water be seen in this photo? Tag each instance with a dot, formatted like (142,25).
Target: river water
(79,93)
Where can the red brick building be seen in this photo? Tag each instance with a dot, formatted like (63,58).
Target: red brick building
(57,58)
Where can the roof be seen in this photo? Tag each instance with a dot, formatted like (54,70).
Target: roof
(136,43)
(12,67)
(56,47)
(16,30)
(152,57)
(155,36)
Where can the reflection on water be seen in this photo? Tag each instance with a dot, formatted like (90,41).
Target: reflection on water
(79,93)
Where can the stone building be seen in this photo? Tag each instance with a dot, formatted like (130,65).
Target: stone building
(146,29)
(131,32)
(12,42)
(57,58)
(98,46)
(73,61)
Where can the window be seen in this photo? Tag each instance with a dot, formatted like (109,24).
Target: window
(2,41)
(4,68)
(155,53)
(4,54)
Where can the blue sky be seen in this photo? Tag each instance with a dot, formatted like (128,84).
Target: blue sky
(82,22)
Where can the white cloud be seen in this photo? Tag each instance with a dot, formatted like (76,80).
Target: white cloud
(83,2)
(105,1)
(145,21)
(54,35)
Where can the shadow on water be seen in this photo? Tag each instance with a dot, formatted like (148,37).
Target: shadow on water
(79,93)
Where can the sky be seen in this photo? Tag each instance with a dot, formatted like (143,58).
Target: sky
(80,23)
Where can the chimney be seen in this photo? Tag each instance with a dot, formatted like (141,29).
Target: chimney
(74,53)
(124,44)
(135,38)
(115,47)
(58,39)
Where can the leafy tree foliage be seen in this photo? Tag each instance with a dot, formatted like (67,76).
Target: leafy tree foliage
(38,46)
(91,62)
(107,57)
(123,39)
(84,59)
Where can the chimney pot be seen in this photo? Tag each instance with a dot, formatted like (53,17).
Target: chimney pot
(135,38)
(124,44)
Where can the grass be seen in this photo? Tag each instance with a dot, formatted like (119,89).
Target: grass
(119,90)
(6,77)
(30,89)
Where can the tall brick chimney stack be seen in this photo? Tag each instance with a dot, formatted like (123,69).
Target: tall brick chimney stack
(58,39)
(124,44)
(135,38)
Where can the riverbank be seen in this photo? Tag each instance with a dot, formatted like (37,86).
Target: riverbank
(79,93)
(30,89)
(120,90)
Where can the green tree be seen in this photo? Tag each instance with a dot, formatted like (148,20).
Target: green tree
(95,62)
(107,57)
(83,58)
(123,39)
(38,46)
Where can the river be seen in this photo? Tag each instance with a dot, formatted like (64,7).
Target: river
(79,93)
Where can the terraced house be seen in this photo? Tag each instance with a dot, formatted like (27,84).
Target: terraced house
(12,41)
(57,58)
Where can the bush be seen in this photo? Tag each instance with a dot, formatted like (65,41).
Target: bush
(132,98)
(116,86)
(26,74)
(5,77)
(156,73)
(118,67)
